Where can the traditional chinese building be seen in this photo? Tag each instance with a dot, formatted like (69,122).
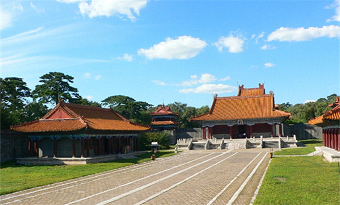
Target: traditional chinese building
(164,119)
(250,113)
(330,123)
(72,130)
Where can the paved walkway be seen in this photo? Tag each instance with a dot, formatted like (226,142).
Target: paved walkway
(192,177)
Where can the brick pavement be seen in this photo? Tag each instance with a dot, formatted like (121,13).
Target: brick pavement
(192,177)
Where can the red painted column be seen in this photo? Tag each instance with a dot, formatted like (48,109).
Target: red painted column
(327,137)
(74,147)
(231,130)
(204,133)
(336,139)
(251,131)
(29,147)
(280,130)
(208,132)
(211,132)
(272,131)
(323,138)
(332,138)
(338,136)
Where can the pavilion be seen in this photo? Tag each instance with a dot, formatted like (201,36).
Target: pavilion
(164,119)
(78,131)
(330,123)
(250,113)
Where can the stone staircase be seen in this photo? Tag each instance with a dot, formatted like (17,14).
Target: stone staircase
(271,144)
(247,143)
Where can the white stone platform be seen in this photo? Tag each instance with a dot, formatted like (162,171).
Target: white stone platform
(330,154)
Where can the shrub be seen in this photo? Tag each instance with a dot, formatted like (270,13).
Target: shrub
(145,140)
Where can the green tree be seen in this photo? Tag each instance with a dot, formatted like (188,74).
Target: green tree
(84,101)
(185,112)
(34,111)
(55,85)
(302,113)
(129,108)
(14,94)
(145,139)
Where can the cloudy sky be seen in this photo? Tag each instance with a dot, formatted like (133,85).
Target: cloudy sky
(175,51)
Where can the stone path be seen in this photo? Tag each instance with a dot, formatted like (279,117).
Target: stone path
(192,177)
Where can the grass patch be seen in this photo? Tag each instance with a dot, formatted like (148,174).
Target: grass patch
(18,177)
(300,180)
(310,145)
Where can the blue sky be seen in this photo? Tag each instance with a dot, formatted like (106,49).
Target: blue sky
(175,51)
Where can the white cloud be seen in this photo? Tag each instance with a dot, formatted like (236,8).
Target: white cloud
(257,37)
(205,78)
(210,88)
(98,77)
(111,7)
(184,47)
(6,19)
(269,65)
(304,34)
(87,75)
(268,47)
(125,57)
(69,1)
(158,82)
(226,78)
(39,10)
(336,17)
(234,44)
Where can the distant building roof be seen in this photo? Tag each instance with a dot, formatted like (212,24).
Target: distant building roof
(250,103)
(71,117)
(162,110)
(329,118)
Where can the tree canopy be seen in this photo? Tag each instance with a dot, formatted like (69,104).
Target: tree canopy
(302,113)
(14,93)
(55,85)
(129,108)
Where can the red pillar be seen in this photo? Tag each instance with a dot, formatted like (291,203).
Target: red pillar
(324,137)
(333,138)
(74,147)
(29,146)
(211,130)
(272,131)
(204,133)
(231,131)
(251,131)
(280,130)
(327,138)
(36,148)
(338,138)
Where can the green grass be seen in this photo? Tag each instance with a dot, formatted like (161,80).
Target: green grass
(310,145)
(300,180)
(18,177)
